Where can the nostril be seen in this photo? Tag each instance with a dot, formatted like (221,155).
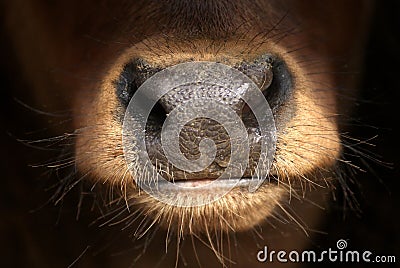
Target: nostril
(281,87)
(271,74)
(158,114)
(260,71)
(131,77)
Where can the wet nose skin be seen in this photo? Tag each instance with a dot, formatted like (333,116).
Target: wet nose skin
(203,128)
(260,71)
(200,128)
(184,93)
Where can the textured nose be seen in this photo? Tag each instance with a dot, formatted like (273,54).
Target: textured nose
(204,128)
(213,115)
(200,90)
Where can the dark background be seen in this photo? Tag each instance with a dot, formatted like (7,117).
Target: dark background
(377,226)
(28,231)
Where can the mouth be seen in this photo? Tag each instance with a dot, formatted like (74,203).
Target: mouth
(207,184)
(200,192)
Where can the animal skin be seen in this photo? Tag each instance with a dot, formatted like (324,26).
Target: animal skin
(73,53)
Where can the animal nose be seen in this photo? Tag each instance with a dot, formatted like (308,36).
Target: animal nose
(266,75)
